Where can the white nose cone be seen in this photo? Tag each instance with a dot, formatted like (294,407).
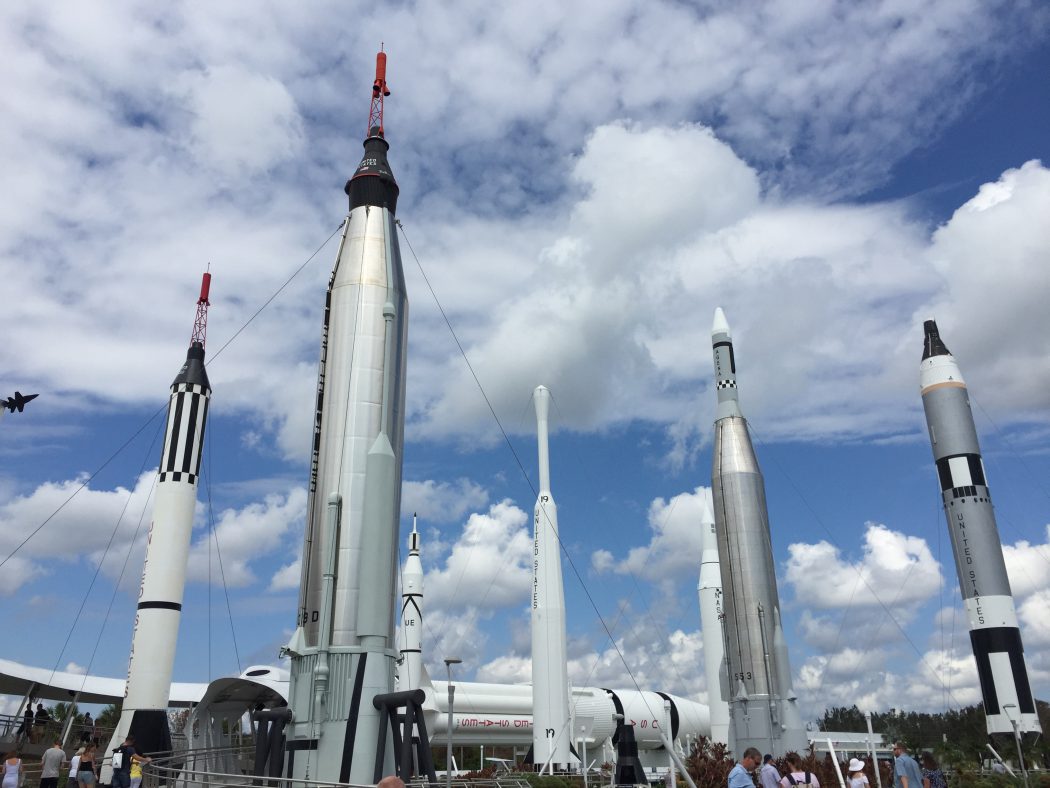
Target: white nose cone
(720,324)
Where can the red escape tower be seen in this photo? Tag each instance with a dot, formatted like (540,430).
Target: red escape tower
(379,92)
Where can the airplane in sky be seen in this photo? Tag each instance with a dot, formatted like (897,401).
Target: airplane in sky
(19,401)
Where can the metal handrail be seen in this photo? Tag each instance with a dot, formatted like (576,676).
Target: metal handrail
(173,772)
(51,729)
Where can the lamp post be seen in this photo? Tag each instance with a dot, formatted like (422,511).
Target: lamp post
(449,662)
(1011,710)
(871,750)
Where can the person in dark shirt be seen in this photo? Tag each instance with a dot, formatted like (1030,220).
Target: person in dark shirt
(40,722)
(128,753)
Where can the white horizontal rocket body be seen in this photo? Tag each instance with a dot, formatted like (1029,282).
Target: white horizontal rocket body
(710,590)
(978,551)
(343,649)
(502,714)
(552,730)
(144,711)
(762,704)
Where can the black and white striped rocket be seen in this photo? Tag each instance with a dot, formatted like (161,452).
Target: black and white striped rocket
(144,713)
(763,707)
(985,586)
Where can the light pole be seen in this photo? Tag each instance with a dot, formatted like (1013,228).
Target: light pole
(449,662)
(1010,710)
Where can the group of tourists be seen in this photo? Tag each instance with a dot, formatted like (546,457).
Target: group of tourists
(84,766)
(33,725)
(906,772)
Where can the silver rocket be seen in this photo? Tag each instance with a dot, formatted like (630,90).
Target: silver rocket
(551,724)
(144,713)
(711,611)
(989,603)
(343,649)
(763,708)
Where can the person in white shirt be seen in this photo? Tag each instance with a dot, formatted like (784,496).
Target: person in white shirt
(74,767)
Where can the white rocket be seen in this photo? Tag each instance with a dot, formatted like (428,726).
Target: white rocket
(411,673)
(144,713)
(343,650)
(710,590)
(551,722)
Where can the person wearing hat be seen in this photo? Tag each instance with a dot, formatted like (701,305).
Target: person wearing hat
(857,778)
(74,767)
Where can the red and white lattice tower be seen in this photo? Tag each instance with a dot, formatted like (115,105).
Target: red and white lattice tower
(379,92)
(200,322)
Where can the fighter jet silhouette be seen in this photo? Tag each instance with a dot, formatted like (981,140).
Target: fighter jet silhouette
(19,401)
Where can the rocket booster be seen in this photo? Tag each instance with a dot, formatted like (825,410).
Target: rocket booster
(978,552)
(551,724)
(361,386)
(343,649)
(762,711)
(411,675)
(710,590)
(144,711)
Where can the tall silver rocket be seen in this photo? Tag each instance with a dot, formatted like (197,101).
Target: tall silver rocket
(343,649)
(711,611)
(551,722)
(986,594)
(763,708)
(144,713)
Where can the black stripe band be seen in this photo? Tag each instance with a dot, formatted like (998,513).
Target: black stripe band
(998,640)
(160,605)
(200,439)
(176,424)
(191,433)
(351,723)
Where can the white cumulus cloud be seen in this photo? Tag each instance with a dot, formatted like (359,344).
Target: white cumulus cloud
(441,502)
(896,571)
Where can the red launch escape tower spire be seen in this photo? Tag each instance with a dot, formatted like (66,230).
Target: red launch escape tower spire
(200,322)
(379,92)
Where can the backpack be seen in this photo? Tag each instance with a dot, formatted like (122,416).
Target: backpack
(118,758)
(793,781)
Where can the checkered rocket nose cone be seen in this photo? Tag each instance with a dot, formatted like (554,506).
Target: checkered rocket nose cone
(180,459)
(963,475)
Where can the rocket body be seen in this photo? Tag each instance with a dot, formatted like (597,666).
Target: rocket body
(343,650)
(985,586)
(763,712)
(711,611)
(144,712)
(411,673)
(552,726)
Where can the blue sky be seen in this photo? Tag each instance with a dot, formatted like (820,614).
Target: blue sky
(582,189)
